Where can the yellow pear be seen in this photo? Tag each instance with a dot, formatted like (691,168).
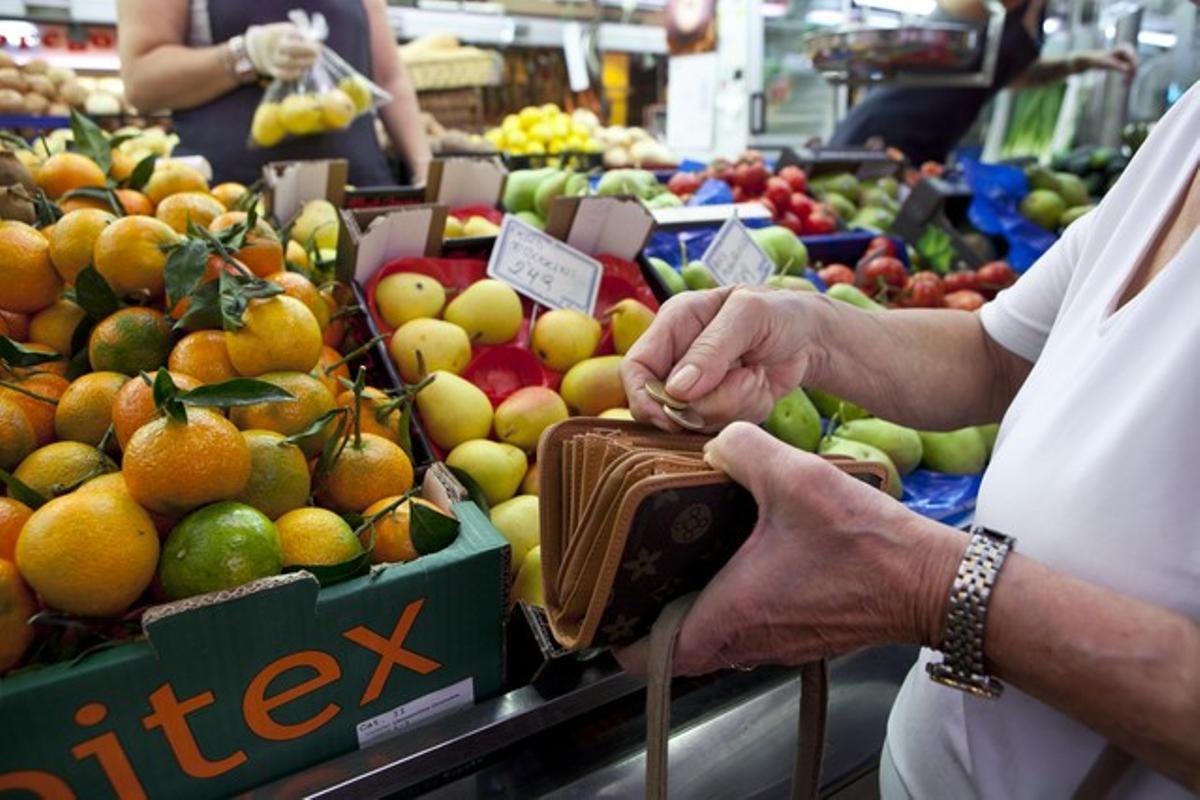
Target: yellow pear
(489,311)
(480,226)
(616,413)
(497,467)
(453,410)
(405,296)
(453,229)
(318,221)
(530,484)
(630,319)
(524,414)
(594,385)
(440,345)
(564,337)
(356,88)
(518,521)
(527,588)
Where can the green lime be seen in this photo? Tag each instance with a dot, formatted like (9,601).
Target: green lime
(219,547)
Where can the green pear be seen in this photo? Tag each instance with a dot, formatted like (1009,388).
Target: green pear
(861,451)
(577,185)
(668,275)
(784,248)
(497,467)
(792,282)
(636,182)
(520,187)
(795,420)
(488,310)
(1043,207)
(523,415)
(629,320)
(874,219)
(664,200)
(841,205)
(532,219)
(1071,189)
(854,296)
(527,588)
(594,385)
(551,188)
(453,410)
(697,276)
(989,433)
(1073,213)
(846,185)
(518,522)
(960,452)
(563,337)
(830,406)
(903,445)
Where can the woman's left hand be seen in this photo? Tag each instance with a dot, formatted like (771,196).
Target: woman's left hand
(832,565)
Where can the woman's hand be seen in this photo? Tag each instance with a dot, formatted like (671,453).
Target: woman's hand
(730,353)
(280,50)
(831,566)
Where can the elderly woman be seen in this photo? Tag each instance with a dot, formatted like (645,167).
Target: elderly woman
(1092,362)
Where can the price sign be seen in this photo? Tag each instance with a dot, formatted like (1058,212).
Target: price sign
(544,269)
(734,257)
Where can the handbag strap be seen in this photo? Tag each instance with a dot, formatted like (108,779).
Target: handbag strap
(814,693)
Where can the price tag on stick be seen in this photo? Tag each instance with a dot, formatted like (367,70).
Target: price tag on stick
(734,257)
(544,269)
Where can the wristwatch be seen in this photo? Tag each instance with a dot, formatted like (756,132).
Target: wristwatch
(240,65)
(962,665)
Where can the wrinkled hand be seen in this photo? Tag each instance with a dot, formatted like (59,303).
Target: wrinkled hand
(731,353)
(832,565)
(280,50)
(1122,58)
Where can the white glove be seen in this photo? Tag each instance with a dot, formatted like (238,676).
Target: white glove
(280,50)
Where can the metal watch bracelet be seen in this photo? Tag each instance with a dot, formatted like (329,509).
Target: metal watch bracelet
(962,665)
(238,60)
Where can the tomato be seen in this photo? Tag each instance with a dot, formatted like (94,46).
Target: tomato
(682,183)
(881,246)
(751,177)
(769,206)
(836,273)
(963,300)
(961,279)
(801,204)
(796,178)
(923,290)
(820,222)
(739,194)
(778,192)
(994,276)
(792,223)
(883,275)
(932,169)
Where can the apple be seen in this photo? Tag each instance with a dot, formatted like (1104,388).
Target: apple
(796,178)
(751,177)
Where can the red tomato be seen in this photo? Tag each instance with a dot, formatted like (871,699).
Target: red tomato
(727,174)
(836,273)
(961,279)
(923,290)
(801,204)
(882,246)
(796,178)
(751,177)
(778,192)
(994,276)
(792,223)
(739,194)
(682,183)
(820,222)
(883,275)
(963,300)
(769,206)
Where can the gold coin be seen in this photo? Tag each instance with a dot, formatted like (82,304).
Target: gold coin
(684,417)
(658,393)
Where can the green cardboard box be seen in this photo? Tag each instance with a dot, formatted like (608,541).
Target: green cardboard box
(248,685)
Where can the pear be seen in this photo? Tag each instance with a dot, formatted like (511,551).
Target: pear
(564,337)
(520,187)
(453,228)
(859,451)
(489,311)
(960,452)
(497,467)
(441,345)
(318,222)
(480,227)
(784,248)
(405,296)
(454,410)
(830,406)
(549,189)
(698,276)
(518,521)
(903,445)
(616,413)
(594,385)
(854,296)
(630,319)
(577,185)
(791,282)
(529,485)
(989,434)
(532,219)
(670,278)
(523,415)
(527,588)
(795,420)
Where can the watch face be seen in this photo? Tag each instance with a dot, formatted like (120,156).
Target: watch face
(691,26)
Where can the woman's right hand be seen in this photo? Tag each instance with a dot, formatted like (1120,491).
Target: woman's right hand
(730,353)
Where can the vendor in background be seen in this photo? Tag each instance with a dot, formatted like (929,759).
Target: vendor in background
(206,60)
(926,123)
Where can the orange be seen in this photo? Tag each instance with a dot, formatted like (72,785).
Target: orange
(28,281)
(296,285)
(12,518)
(58,367)
(290,416)
(16,607)
(85,409)
(279,479)
(89,553)
(38,410)
(365,473)
(393,530)
(74,238)
(17,437)
(131,252)
(213,267)
(172,467)
(122,166)
(198,207)
(62,172)
(18,324)
(62,467)
(228,193)
(202,355)
(135,203)
(336,332)
(388,427)
(79,204)
(131,340)
(173,177)
(277,333)
(328,374)
(134,406)
(316,537)
(115,482)
(54,326)
(262,253)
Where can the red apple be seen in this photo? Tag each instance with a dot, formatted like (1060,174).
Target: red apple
(882,276)
(751,177)
(739,194)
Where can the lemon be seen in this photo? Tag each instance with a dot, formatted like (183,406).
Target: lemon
(337,109)
(541,132)
(495,137)
(300,114)
(511,123)
(561,127)
(556,146)
(265,129)
(530,116)
(356,88)
(516,139)
(535,149)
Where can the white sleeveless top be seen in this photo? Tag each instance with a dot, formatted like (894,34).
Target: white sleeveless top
(1094,473)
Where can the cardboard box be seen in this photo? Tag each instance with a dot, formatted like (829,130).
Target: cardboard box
(234,689)
(370,237)
(460,182)
(288,185)
(618,226)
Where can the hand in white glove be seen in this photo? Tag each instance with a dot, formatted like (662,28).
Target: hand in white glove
(280,50)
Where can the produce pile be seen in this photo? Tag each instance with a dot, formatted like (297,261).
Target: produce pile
(176,416)
(542,130)
(37,88)
(528,193)
(1056,199)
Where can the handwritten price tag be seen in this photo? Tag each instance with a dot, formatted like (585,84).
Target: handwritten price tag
(734,257)
(544,269)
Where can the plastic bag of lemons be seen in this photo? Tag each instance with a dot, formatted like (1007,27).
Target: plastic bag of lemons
(328,98)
